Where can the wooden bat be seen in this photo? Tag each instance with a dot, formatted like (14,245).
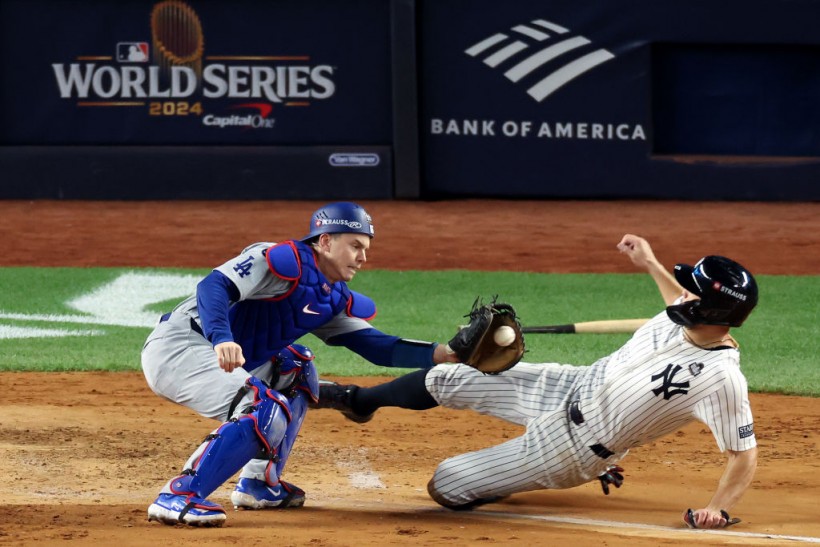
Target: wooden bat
(592,327)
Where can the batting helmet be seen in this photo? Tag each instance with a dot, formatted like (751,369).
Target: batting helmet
(727,291)
(341,217)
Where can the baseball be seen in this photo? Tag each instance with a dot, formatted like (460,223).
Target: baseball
(504,336)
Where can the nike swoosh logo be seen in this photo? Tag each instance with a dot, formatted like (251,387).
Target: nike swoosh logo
(275,491)
(307,309)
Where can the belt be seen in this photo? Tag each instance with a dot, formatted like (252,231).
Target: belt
(194,325)
(574,411)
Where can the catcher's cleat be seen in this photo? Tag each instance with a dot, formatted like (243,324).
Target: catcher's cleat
(174,509)
(339,397)
(256,494)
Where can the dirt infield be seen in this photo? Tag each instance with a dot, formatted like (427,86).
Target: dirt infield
(84,454)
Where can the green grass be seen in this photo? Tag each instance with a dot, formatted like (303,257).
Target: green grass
(779,342)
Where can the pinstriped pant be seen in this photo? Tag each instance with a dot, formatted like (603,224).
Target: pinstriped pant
(552,452)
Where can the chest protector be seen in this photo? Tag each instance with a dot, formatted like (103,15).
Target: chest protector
(263,327)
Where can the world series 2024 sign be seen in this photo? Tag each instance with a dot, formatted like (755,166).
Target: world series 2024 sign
(185,72)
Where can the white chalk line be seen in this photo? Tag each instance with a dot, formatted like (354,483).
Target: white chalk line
(665,530)
(640,526)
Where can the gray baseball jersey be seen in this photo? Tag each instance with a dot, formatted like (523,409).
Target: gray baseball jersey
(581,419)
(180,364)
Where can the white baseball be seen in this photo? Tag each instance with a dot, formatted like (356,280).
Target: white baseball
(504,336)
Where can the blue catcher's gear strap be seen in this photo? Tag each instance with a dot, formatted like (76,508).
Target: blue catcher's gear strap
(240,394)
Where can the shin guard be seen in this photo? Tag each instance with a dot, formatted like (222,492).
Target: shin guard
(234,443)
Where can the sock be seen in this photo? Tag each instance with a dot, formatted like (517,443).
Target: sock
(406,391)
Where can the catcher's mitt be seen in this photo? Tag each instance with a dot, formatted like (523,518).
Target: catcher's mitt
(475,343)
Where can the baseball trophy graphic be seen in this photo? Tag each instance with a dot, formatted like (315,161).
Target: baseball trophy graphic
(177,36)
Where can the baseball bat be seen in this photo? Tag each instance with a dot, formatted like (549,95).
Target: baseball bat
(589,327)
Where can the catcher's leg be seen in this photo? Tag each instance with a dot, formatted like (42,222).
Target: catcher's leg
(222,453)
(260,485)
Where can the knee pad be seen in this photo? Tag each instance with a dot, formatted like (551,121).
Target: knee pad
(294,371)
(309,382)
(271,413)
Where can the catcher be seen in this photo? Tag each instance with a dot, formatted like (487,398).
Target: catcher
(682,365)
(228,353)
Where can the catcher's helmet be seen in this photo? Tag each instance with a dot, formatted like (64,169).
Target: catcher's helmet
(727,291)
(341,217)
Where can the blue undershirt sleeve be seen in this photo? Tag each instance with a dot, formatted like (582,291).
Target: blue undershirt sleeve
(386,350)
(214,295)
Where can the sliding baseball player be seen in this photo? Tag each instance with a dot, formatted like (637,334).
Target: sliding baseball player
(682,365)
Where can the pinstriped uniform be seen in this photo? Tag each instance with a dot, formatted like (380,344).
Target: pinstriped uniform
(653,385)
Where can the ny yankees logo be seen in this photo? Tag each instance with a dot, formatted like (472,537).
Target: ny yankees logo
(244,268)
(668,379)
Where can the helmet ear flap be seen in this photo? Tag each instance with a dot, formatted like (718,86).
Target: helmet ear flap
(685,314)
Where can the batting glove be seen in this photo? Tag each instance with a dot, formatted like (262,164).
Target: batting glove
(691,521)
(612,476)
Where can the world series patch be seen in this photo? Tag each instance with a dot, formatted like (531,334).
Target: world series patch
(746,430)
(695,368)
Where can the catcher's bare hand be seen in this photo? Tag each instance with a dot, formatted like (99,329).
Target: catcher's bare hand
(613,476)
(708,518)
(229,355)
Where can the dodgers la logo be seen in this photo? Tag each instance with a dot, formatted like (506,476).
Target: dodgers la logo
(244,268)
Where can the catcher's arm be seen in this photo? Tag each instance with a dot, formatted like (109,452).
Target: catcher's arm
(737,477)
(443,354)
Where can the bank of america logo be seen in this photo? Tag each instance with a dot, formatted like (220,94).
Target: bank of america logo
(525,51)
